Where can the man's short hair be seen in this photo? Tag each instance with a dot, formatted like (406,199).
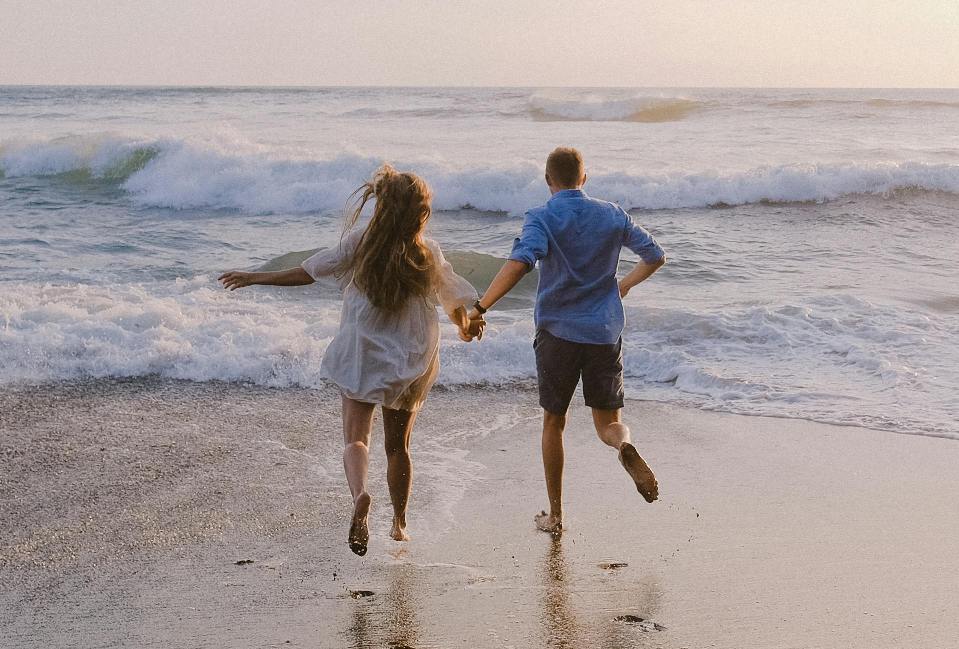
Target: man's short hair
(564,166)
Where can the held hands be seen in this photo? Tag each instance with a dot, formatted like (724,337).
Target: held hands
(236,279)
(477,327)
(472,328)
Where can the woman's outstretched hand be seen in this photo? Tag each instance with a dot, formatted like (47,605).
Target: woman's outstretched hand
(236,279)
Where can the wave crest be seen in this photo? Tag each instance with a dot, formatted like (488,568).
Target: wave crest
(109,158)
(596,108)
(179,174)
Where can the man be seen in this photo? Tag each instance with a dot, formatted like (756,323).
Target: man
(579,315)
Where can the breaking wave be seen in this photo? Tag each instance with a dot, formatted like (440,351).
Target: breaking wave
(179,174)
(597,108)
(104,158)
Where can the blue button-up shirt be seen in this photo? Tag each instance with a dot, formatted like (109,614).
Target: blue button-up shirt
(577,240)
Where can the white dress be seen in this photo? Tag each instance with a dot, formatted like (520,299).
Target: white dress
(389,361)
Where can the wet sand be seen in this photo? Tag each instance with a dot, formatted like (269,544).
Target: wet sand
(155,513)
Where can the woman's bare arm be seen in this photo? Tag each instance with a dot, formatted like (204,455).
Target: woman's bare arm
(290,277)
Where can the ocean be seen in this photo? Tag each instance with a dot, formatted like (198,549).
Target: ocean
(812,235)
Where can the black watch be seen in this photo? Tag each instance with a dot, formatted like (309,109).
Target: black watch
(479,307)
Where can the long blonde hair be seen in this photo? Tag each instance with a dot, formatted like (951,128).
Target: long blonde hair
(392,262)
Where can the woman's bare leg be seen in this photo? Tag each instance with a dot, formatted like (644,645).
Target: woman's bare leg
(398,425)
(357,423)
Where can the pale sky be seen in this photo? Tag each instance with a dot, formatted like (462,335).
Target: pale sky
(845,43)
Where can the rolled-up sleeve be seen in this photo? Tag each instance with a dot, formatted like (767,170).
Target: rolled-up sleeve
(637,239)
(532,244)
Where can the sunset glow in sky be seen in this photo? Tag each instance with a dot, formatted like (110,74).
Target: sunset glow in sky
(853,43)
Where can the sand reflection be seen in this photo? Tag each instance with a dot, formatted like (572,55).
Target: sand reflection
(388,619)
(596,611)
(560,628)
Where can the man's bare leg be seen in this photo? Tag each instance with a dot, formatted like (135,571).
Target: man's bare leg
(553,458)
(398,424)
(357,422)
(615,433)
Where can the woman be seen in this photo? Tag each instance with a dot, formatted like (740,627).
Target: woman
(386,352)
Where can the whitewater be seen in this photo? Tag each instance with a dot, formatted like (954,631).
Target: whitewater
(812,235)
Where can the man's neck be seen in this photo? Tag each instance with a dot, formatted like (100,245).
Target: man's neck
(556,190)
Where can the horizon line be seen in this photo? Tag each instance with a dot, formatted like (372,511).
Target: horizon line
(457,87)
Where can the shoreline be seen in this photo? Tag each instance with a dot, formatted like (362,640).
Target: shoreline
(127,503)
(521,385)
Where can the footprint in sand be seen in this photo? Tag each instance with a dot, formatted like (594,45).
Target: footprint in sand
(612,565)
(643,625)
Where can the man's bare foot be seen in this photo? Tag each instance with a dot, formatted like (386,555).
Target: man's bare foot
(549,523)
(639,471)
(398,533)
(359,530)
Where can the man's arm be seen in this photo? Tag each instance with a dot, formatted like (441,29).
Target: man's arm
(528,248)
(651,255)
(507,277)
(290,277)
(641,271)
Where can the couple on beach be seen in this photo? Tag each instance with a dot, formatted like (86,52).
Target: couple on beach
(386,352)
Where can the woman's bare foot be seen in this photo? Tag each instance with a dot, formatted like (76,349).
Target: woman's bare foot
(398,533)
(359,530)
(549,523)
(639,471)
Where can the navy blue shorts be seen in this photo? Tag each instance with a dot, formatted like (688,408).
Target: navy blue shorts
(560,364)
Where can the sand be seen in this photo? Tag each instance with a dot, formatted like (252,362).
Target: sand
(157,513)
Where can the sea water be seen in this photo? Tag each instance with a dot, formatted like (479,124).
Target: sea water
(812,235)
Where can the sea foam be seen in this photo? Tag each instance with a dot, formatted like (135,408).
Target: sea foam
(180,174)
(810,359)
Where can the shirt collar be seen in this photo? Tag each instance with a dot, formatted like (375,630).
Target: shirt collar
(569,193)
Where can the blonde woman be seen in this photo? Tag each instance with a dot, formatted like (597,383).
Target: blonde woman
(386,352)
